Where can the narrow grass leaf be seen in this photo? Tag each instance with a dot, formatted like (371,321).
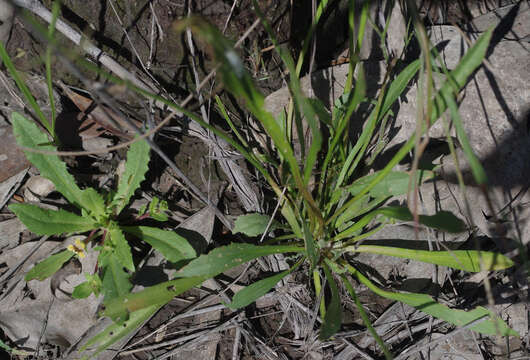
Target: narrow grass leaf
(24,89)
(442,220)
(476,167)
(51,222)
(457,79)
(256,290)
(366,318)
(50,166)
(158,294)
(468,260)
(226,257)
(49,266)
(333,317)
(117,331)
(135,169)
(310,247)
(425,303)
(394,183)
(171,245)
(253,224)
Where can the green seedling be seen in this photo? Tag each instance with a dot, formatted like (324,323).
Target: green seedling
(98,214)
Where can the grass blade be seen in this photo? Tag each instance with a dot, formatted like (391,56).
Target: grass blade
(426,304)
(468,260)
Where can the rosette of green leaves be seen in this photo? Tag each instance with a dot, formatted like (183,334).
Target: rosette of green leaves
(96,213)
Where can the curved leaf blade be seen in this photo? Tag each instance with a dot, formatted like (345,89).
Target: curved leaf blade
(253,224)
(50,166)
(251,293)
(173,246)
(49,266)
(117,331)
(122,250)
(425,303)
(333,318)
(154,295)
(135,169)
(51,222)
(226,257)
(442,220)
(467,260)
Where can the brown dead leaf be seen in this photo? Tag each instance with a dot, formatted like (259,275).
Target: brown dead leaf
(95,116)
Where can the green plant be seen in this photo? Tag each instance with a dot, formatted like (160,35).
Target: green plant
(330,204)
(99,215)
(328,221)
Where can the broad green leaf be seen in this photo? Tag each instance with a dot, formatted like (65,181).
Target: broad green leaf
(135,169)
(48,267)
(492,326)
(173,246)
(442,220)
(253,224)
(92,285)
(82,290)
(158,294)
(468,260)
(394,184)
(50,166)
(51,222)
(226,257)
(333,318)
(93,202)
(115,280)
(122,250)
(117,331)
(256,290)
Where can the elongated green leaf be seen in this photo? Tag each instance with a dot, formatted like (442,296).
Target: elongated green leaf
(468,260)
(253,224)
(310,247)
(93,202)
(117,331)
(428,305)
(24,89)
(48,267)
(122,250)
(135,169)
(158,294)
(442,220)
(173,246)
(365,318)
(51,222)
(50,166)
(226,257)
(458,77)
(256,290)
(398,85)
(394,184)
(333,318)
(476,167)
(115,280)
